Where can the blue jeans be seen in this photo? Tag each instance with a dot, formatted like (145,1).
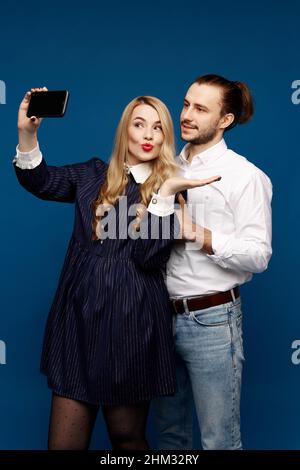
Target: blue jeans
(209,351)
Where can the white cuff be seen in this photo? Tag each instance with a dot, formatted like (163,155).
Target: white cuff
(161,205)
(222,248)
(28,160)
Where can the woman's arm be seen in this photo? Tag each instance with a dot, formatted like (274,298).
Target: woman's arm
(157,234)
(53,183)
(160,226)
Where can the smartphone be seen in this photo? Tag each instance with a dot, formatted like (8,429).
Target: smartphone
(48,103)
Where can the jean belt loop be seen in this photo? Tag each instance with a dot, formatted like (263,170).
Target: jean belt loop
(186,309)
(232,295)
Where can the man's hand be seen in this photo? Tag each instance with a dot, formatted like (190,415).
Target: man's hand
(189,231)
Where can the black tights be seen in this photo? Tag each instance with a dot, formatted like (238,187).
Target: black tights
(72,422)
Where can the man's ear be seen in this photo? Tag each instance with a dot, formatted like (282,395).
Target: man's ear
(226,120)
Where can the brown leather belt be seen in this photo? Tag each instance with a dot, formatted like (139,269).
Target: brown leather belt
(199,303)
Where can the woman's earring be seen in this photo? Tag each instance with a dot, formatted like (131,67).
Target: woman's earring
(126,168)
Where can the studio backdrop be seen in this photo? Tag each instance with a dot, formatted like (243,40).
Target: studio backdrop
(106,54)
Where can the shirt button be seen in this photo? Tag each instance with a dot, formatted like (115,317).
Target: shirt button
(154,200)
(101,242)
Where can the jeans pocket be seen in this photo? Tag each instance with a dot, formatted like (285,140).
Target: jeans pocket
(211,317)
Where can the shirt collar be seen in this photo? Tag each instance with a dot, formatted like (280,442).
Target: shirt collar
(141,171)
(208,156)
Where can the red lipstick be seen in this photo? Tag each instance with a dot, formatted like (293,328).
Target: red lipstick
(147,147)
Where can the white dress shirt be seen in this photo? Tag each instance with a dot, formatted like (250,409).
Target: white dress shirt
(237,209)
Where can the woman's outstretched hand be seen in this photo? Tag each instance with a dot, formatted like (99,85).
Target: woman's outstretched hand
(178,183)
(26,124)
(27,127)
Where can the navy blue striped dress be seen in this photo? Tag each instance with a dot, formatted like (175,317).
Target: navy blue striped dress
(108,337)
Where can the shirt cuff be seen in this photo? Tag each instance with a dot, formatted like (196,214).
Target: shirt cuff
(28,160)
(222,248)
(161,205)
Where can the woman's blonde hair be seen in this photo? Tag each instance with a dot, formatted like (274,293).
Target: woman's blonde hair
(163,166)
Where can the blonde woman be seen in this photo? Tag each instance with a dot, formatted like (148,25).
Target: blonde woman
(108,339)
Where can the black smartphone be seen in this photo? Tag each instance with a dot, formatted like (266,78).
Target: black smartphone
(48,103)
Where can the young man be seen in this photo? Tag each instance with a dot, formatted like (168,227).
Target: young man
(233,240)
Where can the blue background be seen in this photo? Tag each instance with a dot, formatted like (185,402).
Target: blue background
(105,55)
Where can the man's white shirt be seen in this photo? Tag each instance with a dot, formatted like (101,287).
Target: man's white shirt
(237,209)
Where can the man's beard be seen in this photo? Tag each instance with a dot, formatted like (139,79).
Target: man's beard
(205,136)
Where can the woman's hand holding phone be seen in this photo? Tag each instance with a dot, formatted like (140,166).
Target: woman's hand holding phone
(27,127)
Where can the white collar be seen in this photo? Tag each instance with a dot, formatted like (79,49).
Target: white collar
(208,156)
(141,171)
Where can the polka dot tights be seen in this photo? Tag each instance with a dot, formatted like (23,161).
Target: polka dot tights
(72,422)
